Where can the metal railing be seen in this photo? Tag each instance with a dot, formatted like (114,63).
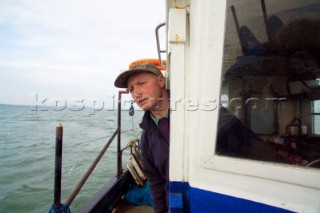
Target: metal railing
(58,161)
(119,152)
(158,42)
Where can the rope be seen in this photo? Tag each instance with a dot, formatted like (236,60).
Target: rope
(63,209)
(131,113)
(134,135)
(107,136)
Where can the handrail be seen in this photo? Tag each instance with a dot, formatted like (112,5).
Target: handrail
(119,152)
(76,190)
(89,171)
(96,161)
(158,42)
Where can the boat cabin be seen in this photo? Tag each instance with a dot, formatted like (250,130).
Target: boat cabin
(245,105)
(244,108)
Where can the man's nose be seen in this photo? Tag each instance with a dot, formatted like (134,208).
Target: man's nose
(137,94)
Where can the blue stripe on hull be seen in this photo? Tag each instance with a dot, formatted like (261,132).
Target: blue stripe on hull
(184,198)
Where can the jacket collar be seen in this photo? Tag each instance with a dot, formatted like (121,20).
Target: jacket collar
(147,122)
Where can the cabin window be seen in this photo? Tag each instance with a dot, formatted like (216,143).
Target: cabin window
(316,117)
(270,93)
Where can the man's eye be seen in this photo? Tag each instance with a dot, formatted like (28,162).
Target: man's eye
(141,83)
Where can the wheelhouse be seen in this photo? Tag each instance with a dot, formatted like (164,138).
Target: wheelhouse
(245,124)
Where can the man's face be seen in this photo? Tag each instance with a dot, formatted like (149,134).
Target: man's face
(146,90)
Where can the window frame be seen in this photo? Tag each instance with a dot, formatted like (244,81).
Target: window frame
(206,134)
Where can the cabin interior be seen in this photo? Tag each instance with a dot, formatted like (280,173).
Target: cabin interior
(270,83)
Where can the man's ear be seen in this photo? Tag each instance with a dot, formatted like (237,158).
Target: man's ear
(161,81)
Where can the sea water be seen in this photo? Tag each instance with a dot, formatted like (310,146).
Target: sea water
(27,149)
(27,154)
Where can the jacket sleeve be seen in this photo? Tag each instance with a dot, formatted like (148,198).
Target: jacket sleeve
(157,182)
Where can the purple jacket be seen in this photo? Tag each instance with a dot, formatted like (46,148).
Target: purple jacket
(155,160)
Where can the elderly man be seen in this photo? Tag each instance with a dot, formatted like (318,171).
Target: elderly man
(147,87)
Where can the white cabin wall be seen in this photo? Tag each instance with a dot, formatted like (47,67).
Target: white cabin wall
(177,41)
(193,132)
(206,47)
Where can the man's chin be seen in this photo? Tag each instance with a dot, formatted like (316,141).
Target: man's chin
(145,108)
(148,107)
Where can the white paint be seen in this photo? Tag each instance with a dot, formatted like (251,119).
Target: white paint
(193,133)
(178,20)
(177,23)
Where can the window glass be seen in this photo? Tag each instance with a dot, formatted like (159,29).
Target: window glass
(270,95)
(316,117)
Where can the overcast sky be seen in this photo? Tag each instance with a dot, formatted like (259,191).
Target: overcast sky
(72,49)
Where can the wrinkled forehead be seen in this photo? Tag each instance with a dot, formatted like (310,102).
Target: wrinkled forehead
(135,78)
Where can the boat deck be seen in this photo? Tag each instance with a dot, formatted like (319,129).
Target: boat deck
(124,207)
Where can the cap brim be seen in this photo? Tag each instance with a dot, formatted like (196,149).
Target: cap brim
(122,80)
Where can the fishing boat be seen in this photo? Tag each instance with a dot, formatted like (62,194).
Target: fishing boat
(244,112)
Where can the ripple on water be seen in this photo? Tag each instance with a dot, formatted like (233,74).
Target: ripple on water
(27,147)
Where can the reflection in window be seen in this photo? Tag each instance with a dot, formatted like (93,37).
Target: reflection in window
(269,96)
(316,117)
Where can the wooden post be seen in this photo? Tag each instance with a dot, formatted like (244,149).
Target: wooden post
(58,167)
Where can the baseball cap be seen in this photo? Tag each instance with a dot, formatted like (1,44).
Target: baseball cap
(122,79)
